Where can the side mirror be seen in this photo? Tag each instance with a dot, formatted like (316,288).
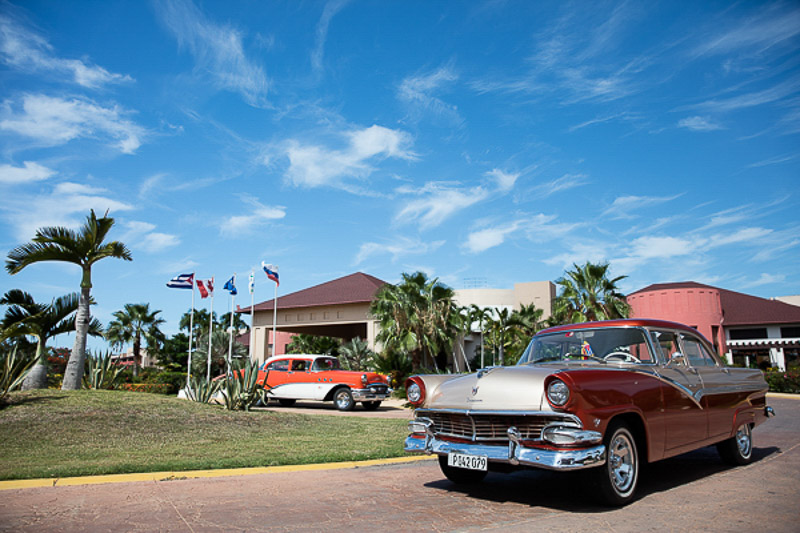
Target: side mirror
(678,358)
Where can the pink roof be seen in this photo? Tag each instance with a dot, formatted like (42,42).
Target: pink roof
(355,288)
(739,309)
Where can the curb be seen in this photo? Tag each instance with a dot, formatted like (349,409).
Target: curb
(783,395)
(192,474)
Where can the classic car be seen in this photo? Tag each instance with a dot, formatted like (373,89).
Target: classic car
(607,396)
(293,377)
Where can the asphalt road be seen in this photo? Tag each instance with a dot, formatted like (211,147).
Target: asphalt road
(693,492)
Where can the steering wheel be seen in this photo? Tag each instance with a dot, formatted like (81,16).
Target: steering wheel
(625,356)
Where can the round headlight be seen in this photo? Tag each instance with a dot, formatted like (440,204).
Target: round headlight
(557,392)
(414,393)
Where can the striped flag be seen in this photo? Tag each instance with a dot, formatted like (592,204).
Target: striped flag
(202,288)
(184,281)
(272,272)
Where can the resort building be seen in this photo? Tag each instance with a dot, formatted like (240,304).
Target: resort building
(746,329)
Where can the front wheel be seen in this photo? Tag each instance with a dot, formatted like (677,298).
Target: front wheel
(460,476)
(617,479)
(343,400)
(737,450)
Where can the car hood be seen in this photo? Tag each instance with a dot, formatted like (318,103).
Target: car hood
(501,388)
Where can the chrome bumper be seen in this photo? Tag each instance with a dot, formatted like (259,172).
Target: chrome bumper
(361,395)
(514,453)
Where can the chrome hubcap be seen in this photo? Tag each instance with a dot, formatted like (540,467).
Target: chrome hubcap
(744,441)
(622,463)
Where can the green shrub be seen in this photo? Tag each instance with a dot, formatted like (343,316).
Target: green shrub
(100,372)
(788,381)
(157,388)
(176,380)
(14,367)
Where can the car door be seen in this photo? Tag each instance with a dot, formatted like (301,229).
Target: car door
(718,398)
(685,418)
(276,377)
(298,380)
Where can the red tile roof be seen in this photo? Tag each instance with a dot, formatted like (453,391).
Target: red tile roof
(739,309)
(355,288)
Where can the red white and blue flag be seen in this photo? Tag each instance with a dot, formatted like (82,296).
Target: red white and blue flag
(184,281)
(205,288)
(272,272)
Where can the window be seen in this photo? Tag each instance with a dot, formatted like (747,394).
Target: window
(667,342)
(300,365)
(790,332)
(326,363)
(696,353)
(279,366)
(609,345)
(749,333)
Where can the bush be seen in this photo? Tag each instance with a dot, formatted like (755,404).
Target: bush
(788,381)
(176,380)
(156,388)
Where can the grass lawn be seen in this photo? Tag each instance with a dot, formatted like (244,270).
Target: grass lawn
(53,433)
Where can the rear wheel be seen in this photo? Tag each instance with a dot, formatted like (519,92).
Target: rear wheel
(286,402)
(618,478)
(460,476)
(371,406)
(343,400)
(737,450)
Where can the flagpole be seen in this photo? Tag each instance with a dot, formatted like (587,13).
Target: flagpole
(210,329)
(275,321)
(191,331)
(230,331)
(252,287)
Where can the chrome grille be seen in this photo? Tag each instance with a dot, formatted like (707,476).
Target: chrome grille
(491,427)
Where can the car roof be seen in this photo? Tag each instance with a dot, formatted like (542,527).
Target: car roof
(623,322)
(297,356)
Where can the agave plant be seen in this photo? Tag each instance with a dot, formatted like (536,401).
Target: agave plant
(13,370)
(101,373)
(201,390)
(242,390)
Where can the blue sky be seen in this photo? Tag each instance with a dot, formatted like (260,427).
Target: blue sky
(498,141)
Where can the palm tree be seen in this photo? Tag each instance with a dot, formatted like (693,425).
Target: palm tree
(481,315)
(503,327)
(132,325)
(238,323)
(219,355)
(588,295)
(84,248)
(355,355)
(314,344)
(200,323)
(25,316)
(416,316)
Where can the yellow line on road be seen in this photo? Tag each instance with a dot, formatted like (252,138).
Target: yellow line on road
(223,472)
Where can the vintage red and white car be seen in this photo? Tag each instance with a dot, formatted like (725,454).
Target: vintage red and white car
(293,377)
(607,396)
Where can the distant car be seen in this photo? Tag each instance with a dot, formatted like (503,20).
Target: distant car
(602,395)
(295,377)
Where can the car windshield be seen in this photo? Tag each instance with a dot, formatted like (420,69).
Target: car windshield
(607,345)
(326,363)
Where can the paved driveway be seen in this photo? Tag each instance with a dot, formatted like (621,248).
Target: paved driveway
(694,492)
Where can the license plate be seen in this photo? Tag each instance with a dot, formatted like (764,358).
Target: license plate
(469,462)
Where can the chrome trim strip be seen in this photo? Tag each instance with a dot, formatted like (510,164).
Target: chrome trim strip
(471,412)
(514,453)
(367,394)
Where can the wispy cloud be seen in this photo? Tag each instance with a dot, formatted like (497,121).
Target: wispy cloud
(536,228)
(436,202)
(141,235)
(418,94)
(218,50)
(313,165)
(505,180)
(697,123)
(624,206)
(29,172)
(765,279)
(398,248)
(24,49)
(260,214)
(54,121)
(332,7)
(769,28)
(565,182)
(486,238)
(781,91)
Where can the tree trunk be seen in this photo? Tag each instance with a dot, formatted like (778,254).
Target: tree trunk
(136,350)
(73,375)
(37,377)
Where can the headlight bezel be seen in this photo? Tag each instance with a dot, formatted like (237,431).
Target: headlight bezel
(558,393)
(415,392)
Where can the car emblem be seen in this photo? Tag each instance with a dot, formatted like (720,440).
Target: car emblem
(474,391)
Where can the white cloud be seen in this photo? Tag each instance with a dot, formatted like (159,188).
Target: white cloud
(770,28)
(484,239)
(660,247)
(622,206)
(537,228)
(437,203)
(418,92)
(67,205)
(218,50)
(330,11)
(398,248)
(140,235)
(565,182)
(55,121)
(316,166)
(505,180)
(259,214)
(29,172)
(766,279)
(698,124)
(24,49)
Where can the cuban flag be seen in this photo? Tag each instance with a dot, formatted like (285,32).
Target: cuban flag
(272,272)
(184,281)
(230,285)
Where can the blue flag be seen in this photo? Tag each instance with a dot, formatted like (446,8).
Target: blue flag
(230,285)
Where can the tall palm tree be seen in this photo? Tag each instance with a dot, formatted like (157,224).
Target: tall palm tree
(416,316)
(588,295)
(132,325)
(481,315)
(84,248)
(503,328)
(25,316)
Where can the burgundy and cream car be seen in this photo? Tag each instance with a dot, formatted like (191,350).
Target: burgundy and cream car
(293,377)
(602,395)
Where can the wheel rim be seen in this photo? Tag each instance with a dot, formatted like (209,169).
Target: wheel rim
(744,441)
(622,463)
(342,399)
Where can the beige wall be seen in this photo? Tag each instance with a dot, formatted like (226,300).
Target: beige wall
(539,293)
